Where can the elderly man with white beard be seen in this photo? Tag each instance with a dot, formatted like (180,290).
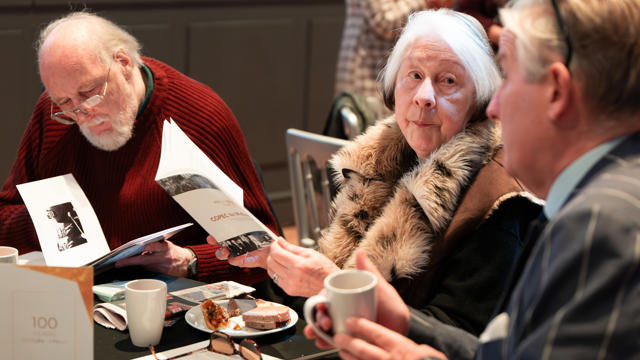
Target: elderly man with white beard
(100,118)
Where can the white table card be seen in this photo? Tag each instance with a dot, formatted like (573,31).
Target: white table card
(46,312)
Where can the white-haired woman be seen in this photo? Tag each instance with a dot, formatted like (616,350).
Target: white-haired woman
(424,192)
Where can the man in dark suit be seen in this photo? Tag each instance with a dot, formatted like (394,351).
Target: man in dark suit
(570,119)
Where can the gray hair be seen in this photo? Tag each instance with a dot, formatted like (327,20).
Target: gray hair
(605,53)
(464,35)
(107,37)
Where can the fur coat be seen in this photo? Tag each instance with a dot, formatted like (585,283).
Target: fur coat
(408,213)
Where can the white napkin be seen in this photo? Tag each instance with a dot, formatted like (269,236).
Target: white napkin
(110,316)
(110,292)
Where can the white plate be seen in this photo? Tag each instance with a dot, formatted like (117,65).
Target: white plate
(195,318)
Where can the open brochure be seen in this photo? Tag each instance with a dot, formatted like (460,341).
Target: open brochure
(68,229)
(208,194)
(134,247)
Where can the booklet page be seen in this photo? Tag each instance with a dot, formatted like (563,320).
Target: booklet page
(208,194)
(68,229)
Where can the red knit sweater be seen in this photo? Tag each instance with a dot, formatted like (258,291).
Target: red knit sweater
(120,184)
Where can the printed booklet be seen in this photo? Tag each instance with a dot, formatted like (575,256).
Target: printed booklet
(68,229)
(211,198)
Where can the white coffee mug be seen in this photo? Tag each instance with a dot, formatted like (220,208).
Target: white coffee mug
(349,293)
(8,255)
(146,304)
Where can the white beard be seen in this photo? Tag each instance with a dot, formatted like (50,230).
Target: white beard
(121,129)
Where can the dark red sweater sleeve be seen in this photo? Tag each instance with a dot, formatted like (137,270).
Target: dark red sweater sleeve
(16,227)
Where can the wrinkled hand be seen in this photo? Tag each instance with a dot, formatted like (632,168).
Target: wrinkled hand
(163,257)
(256,258)
(369,340)
(393,313)
(301,271)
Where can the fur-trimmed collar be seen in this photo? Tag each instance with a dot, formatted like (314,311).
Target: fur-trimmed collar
(393,204)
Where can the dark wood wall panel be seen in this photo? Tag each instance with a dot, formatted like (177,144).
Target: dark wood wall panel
(322,66)
(16,63)
(259,76)
(156,39)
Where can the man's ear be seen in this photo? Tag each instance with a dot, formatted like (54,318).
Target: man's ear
(121,57)
(560,94)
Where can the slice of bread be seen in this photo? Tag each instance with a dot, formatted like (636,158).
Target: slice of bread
(267,316)
(265,325)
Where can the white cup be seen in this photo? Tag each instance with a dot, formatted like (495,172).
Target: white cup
(146,304)
(349,293)
(8,255)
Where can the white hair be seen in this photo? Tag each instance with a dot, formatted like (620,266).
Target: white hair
(539,41)
(464,35)
(605,53)
(106,36)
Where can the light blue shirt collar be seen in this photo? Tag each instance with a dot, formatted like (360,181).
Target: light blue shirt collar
(571,176)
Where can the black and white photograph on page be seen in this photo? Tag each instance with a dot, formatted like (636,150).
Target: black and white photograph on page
(69,229)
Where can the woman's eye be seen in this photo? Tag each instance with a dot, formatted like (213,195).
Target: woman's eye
(415,75)
(449,80)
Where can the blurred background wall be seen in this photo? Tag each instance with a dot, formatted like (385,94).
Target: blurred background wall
(272,61)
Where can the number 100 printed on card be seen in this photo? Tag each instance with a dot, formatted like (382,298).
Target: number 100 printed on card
(42,322)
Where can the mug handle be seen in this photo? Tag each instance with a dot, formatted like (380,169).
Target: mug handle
(309,316)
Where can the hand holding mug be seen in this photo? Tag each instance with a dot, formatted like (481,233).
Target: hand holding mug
(350,293)
(393,313)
